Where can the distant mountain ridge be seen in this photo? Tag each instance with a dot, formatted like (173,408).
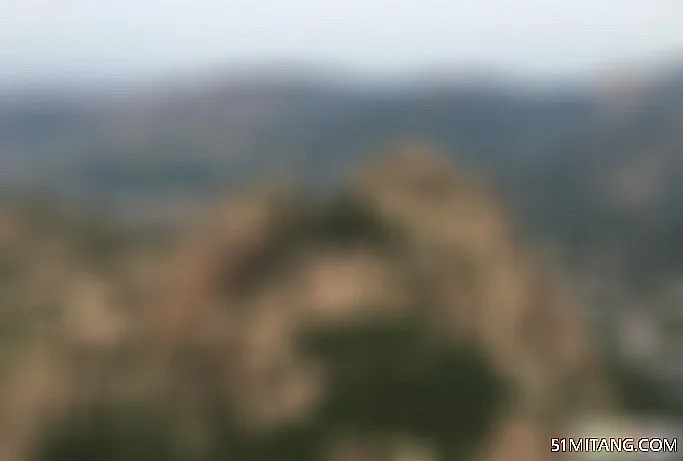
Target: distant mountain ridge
(570,157)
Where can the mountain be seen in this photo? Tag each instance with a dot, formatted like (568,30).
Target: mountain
(603,154)
(403,316)
(247,126)
(592,168)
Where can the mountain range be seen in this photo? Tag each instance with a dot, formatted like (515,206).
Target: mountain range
(594,166)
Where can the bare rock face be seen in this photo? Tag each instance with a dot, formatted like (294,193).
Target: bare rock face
(519,312)
(404,319)
(414,243)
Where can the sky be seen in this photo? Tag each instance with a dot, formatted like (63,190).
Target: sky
(44,39)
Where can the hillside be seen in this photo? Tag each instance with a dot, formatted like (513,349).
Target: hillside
(406,312)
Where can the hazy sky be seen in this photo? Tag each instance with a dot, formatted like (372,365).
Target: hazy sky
(45,38)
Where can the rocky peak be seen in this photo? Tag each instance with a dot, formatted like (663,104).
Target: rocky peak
(406,315)
(423,241)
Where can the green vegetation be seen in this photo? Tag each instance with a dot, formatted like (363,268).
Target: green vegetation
(388,378)
(640,393)
(385,379)
(111,434)
(345,219)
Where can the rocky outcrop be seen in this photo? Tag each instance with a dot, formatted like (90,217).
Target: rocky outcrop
(403,319)
(413,239)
